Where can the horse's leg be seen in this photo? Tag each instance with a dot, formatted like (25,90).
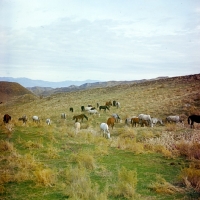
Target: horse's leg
(192,124)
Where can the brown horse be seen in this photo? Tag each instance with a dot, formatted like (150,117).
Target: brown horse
(136,120)
(108,103)
(111,121)
(81,116)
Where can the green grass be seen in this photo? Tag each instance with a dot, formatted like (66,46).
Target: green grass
(52,151)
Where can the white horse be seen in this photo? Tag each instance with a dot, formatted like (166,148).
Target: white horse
(117,104)
(156,120)
(146,118)
(48,121)
(93,112)
(105,129)
(36,119)
(63,116)
(77,127)
(88,108)
(116,116)
(175,119)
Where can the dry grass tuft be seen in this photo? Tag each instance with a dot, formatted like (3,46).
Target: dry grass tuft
(52,152)
(189,149)
(33,145)
(2,189)
(84,159)
(6,146)
(79,185)
(190,177)
(126,184)
(164,187)
(45,177)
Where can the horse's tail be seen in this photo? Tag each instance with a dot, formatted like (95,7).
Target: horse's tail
(85,117)
(189,120)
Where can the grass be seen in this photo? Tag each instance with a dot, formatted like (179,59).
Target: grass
(38,161)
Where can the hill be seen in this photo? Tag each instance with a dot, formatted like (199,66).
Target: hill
(8,90)
(46,91)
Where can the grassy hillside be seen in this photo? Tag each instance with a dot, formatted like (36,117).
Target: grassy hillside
(8,90)
(52,162)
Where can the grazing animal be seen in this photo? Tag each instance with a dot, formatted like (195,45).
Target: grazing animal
(114,103)
(192,119)
(104,108)
(71,109)
(82,108)
(117,104)
(175,119)
(108,103)
(134,121)
(147,118)
(6,118)
(128,120)
(24,118)
(156,120)
(89,108)
(81,116)
(48,121)
(111,121)
(77,127)
(105,129)
(116,116)
(144,123)
(36,119)
(97,105)
(89,105)
(63,116)
(93,112)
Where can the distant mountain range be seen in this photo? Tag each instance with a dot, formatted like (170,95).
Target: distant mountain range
(26,82)
(46,88)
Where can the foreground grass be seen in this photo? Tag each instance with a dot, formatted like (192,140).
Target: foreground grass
(99,162)
(50,162)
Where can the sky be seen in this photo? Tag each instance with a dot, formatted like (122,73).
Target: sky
(58,40)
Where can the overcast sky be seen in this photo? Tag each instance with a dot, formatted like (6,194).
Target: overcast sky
(104,40)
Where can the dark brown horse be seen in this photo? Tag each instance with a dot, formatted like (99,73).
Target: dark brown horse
(6,118)
(192,119)
(111,122)
(104,108)
(81,116)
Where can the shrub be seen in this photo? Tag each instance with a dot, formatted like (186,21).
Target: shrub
(162,186)
(45,177)
(189,149)
(126,184)
(83,159)
(79,185)
(6,146)
(190,177)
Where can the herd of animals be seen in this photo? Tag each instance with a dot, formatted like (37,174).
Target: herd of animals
(141,119)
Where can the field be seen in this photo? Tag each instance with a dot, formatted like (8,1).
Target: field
(38,161)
